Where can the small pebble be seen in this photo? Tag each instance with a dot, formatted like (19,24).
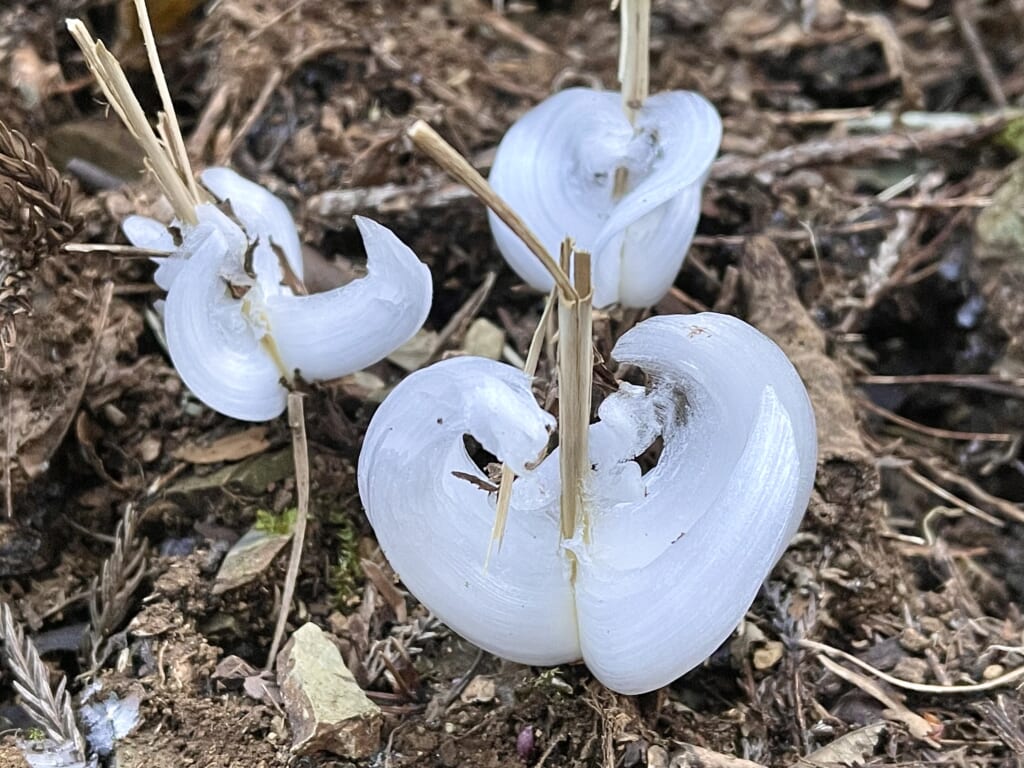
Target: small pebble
(657,757)
(911,669)
(992,671)
(525,743)
(913,641)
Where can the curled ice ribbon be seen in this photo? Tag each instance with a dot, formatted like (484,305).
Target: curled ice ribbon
(663,564)
(556,167)
(237,332)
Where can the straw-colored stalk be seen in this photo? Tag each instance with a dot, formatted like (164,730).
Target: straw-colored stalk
(540,333)
(446,156)
(575,346)
(634,67)
(575,375)
(165,155)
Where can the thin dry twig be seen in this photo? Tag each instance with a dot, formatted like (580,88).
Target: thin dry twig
(917,725)
(887,146)
(442,153)
(1007,678)
(948,434)
(507,475)
(963,13)
(111,592)
(300,450)
(50,709)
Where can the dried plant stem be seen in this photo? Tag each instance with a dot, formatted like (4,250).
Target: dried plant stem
(160,158)
(446,156)
(634,54)
(575,376)
(300,450)
(110,594)
(1008,678)
(167,123)
(507,475)
(575,347)
(50,709)
(634,68)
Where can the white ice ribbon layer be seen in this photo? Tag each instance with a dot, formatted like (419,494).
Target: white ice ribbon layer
(235,329)
(667,561)
(556,167)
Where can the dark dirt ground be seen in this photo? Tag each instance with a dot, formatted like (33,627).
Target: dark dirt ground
(889,263)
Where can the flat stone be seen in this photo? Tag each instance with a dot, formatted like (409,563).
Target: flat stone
(484,339)
(327,710)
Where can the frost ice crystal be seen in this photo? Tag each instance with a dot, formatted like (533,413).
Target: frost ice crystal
(556,167)
(236,329)
(666,563)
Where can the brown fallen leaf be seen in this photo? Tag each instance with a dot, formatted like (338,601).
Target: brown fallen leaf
(233,447)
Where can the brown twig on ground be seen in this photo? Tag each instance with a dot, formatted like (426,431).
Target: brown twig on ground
(947,434)
(963,13)
(985,382)
(300,450)
(50,709)
(110,593)
(886,146)
(1005,679)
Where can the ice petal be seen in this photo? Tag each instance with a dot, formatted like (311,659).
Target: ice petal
(331,334)
(215,349)
(264,218)
(667,578)
(434,526)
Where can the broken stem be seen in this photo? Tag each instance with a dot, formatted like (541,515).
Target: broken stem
(300,451)
(507,475)
(167,123)
(575,374)
(446,156)
(634,68)
(634,55)
(114,83)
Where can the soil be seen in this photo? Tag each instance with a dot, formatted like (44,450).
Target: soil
(883,260)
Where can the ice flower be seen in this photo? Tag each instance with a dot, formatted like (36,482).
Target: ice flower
(239,328)
(663,564)
(629,193)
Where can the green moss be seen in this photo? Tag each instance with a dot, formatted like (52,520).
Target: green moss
(282,524)
(1012,136)
(346,574)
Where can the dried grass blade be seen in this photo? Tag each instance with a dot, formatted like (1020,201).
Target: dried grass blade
(167,123)
(446,156)
(122,99)
(507,475)
(575,378)
(300,450)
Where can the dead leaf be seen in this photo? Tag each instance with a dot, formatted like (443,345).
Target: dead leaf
(853,748)
(386,588)
(248,559)
(233,447)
